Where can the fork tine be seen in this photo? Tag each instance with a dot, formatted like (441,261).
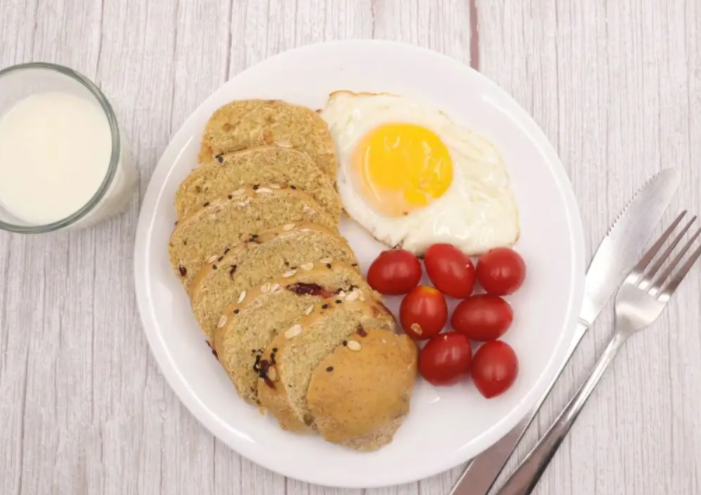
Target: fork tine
(679,276)
(655,288)
(649,275)
(639,269)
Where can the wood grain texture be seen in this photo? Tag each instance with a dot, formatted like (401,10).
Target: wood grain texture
(615,85)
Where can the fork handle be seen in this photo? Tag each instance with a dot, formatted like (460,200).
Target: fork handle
(528,473)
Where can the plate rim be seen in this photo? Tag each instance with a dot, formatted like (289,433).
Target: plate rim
(169,367)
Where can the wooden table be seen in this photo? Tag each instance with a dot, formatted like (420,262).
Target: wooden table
(615,84)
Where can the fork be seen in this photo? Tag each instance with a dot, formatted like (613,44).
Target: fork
(639,302)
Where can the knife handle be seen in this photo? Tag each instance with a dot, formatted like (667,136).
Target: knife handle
(481,473)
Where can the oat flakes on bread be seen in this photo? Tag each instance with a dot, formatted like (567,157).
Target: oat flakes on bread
(271,307)
(294,354)
(249,123)
(250,263)
(264,165)
(359,398)
(203,237)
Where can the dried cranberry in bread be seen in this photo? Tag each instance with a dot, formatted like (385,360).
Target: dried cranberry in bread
(251,263)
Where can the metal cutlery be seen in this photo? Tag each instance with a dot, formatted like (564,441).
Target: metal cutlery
(639,302)
(614,258)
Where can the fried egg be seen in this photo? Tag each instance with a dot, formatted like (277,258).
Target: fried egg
(412,177)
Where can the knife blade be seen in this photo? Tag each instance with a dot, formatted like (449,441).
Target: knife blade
(614,258)
(622,247)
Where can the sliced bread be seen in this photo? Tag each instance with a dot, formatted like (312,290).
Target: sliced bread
(264,165)
(249,123)
(220,224)
(250,326)
(252,262)
(288,363)
(359,398)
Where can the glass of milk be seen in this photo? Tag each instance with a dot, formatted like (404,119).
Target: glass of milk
(63,163)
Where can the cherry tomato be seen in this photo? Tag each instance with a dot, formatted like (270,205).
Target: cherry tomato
(423,313)
(450,270)
(482,317)
(396,271)
(494,368)
(445,359)
(501,271)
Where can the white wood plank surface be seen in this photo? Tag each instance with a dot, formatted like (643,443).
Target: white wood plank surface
(616,85)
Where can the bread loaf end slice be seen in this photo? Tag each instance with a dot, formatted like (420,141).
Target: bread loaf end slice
(288,363)
(359,398)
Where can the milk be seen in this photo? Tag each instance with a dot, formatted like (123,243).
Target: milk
(55,151)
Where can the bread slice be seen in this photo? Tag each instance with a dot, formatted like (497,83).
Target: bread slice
(359,398)
(221,224)
(264,165)
(249,123)
(288,363)
(251,263)
(250,326)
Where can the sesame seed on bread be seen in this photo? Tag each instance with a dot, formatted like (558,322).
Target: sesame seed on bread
(282,389)
(220,224)
(250,263)
(358,398)
(248,327)
(249,123)
(264,165)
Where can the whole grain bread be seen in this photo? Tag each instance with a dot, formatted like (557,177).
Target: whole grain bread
(288,363)
(264,165)
(203,237)
(252,262)
(249,123)
(248,327)
(359,398)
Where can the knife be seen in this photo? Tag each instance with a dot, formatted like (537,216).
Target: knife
(615,257)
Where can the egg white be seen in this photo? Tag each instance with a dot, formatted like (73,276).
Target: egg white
(477,212)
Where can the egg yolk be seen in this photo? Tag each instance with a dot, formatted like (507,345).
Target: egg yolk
(401,168)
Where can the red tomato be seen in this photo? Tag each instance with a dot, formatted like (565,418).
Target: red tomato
(423,313)
(450,270)
(501,271)
(445,359)
(482,317)
(396,271)
(494,368)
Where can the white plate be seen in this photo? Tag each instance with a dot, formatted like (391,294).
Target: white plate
(447,426)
